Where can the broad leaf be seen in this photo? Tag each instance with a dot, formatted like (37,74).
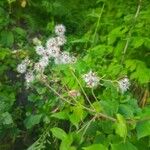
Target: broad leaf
(123,146)
(143,129)
(32,120)
(121,127)
(95,147)
(59,133)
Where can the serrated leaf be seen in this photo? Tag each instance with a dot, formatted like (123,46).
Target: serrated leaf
(143,129)
(137,42)
(121,127)
(7,118)
(20,31)
(77,115)
(7,38)
(32,120)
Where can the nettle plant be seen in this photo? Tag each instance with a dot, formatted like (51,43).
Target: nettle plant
(81,104)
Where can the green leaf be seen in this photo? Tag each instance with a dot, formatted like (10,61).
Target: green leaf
(7,38)
(32,120)
(77,115)
(95,147)
(123,146)
(121,127)
(66,143)
(137,42)
(98,107)
(59,133)
(4,53)
(60,115)
(143,129)
(127,110)
(7,118)
(19,31)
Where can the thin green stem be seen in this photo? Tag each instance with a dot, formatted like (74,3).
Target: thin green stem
(86,108)
(130,31)
(82,89)
(92,90)
(87,125)
(98,22)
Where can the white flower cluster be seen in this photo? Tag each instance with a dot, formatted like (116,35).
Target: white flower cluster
(51,50)
(21,68)
(91,79)
(29,77)
(124,84)
(65,58)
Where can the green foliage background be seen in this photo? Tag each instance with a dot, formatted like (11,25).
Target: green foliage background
(98,33)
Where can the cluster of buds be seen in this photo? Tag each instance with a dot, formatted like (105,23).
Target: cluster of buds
(52,50)
(91,79)
(124,84)
(74,93)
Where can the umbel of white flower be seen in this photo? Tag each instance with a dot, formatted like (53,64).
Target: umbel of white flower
(91,79)
(124,84)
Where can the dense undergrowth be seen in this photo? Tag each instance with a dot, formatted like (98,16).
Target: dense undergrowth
(95,96)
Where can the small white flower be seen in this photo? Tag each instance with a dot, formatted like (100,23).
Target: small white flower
(60,29)
(21,68)
(36,41)
(38,67)
(29,77)
(40,50)
(61,40)
(44,61)
(73,59)
(66,59)
(124,84)
(51,42)
(53,52)
(91,79)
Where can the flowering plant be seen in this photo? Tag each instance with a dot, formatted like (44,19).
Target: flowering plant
(76,87)
(80,87)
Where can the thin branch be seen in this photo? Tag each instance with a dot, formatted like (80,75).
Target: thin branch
(86,108)
(92,90)
(98,22)
(82,89)
(52,89)
(99,115)
(130,31)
